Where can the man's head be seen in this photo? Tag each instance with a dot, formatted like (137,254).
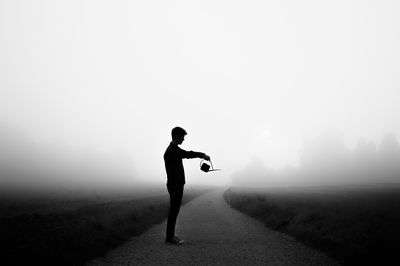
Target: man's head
(178,135)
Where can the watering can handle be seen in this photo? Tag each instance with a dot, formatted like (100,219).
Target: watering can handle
(212,167)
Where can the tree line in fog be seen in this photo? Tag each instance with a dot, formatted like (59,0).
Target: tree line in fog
(327,160)
(323,160)
(28,163)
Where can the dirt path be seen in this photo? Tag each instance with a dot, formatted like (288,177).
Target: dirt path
(214,234)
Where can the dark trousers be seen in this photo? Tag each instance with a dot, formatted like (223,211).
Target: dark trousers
(175,200)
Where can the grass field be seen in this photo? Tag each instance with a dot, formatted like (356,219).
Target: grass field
(70,228)
(354,225)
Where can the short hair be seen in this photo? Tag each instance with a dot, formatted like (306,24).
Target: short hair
(178,132)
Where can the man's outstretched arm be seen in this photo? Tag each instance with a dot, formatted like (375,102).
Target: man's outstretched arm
(193,154)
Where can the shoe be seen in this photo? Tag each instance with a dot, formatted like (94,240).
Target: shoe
(174,241)
(179,240)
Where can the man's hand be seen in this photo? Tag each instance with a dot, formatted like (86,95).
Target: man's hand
(206,157)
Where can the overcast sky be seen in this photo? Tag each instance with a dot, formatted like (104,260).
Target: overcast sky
(244,78)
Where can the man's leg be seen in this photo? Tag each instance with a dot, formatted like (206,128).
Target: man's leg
(175,196)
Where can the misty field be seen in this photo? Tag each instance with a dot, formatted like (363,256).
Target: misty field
(70,227)
(355,225)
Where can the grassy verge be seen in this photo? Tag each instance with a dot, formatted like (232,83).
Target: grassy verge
(73,236)
(354,226)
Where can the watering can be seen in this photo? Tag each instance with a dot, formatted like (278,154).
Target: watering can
(205,167)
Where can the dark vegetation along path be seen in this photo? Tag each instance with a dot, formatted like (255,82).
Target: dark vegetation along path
(214,234)
(71,227)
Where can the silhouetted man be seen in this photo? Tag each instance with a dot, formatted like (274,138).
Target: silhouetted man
(176,178)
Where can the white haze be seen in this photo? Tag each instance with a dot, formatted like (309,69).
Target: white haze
(246,79)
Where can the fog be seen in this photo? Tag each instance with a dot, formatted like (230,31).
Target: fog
(284,92)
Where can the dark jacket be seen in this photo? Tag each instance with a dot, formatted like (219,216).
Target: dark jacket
(173,163)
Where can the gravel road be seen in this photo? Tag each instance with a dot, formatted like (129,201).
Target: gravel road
(214,234)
